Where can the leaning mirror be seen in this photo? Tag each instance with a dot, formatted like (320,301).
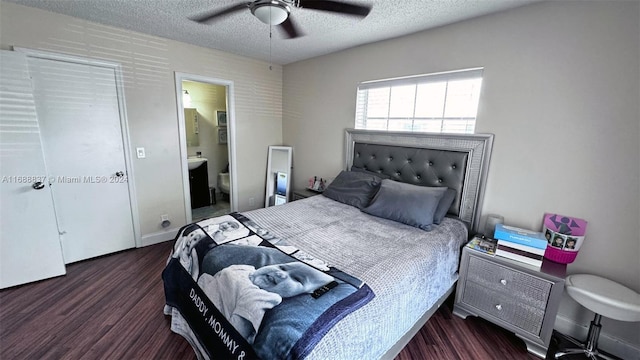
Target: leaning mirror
(278,175)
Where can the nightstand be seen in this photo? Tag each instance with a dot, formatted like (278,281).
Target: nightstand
(303,194)
(513,295)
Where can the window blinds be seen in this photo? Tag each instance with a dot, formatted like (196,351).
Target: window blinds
(441,102)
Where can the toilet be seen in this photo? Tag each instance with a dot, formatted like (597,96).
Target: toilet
(223,184)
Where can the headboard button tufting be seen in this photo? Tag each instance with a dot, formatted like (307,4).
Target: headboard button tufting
(453,166)
(440,180)
(430,163)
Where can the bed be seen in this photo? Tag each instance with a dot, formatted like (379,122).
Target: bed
(406,271)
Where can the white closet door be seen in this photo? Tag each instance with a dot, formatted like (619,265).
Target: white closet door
(78,110)
(29,244)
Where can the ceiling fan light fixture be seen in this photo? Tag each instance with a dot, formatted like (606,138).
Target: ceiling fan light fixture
(271,12)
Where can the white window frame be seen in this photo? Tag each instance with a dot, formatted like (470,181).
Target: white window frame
(445,122)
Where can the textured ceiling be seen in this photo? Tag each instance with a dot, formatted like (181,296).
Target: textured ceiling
(241,33)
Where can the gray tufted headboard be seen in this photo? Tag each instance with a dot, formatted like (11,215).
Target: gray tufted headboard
(459,162)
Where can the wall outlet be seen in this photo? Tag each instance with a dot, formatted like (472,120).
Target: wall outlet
(164,217)
(140,153)
(252,201)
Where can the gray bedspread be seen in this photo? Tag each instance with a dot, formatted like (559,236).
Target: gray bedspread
(407,268)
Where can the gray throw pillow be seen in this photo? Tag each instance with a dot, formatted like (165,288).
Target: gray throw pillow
(444,205)
(409,204)
(353,188)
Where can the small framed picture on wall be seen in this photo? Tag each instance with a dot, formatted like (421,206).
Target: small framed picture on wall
(222,118)
(222,136)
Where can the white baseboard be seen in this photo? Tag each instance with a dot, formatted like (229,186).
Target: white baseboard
(606,342)
(158,237)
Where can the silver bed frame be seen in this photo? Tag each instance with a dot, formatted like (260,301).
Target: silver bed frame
(477,148)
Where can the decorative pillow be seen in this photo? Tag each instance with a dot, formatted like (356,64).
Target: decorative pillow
(353,188)
(444,205)
(409,204)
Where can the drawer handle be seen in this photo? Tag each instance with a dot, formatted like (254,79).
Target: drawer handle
(499,307)
(503,282)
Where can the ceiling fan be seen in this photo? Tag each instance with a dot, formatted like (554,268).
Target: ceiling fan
(277,12)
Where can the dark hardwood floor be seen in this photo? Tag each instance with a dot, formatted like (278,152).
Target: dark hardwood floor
(111,308)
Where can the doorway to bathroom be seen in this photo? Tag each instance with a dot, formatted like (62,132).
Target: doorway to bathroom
(207,141)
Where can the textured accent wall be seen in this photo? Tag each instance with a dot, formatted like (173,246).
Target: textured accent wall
(149,64)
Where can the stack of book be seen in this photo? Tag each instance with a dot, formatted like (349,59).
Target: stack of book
(519,244)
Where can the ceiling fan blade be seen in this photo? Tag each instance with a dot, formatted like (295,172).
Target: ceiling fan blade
(213,14)
(336,6)
(290,28)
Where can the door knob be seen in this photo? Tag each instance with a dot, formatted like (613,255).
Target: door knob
(38,185)
(119,174)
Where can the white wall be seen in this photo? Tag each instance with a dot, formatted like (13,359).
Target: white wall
(560,93)
(149,64)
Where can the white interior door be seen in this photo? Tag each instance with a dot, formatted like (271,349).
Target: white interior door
(79,116)
(29,244)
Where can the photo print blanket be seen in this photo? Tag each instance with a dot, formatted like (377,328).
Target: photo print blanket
(235,291)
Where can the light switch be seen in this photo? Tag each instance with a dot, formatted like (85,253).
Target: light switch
(140,153)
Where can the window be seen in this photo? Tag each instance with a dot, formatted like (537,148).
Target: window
(442,103)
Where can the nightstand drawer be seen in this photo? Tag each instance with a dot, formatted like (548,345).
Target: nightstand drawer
(520,286)
(504,307)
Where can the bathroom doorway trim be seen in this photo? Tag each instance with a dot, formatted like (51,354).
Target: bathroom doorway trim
(231,126)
